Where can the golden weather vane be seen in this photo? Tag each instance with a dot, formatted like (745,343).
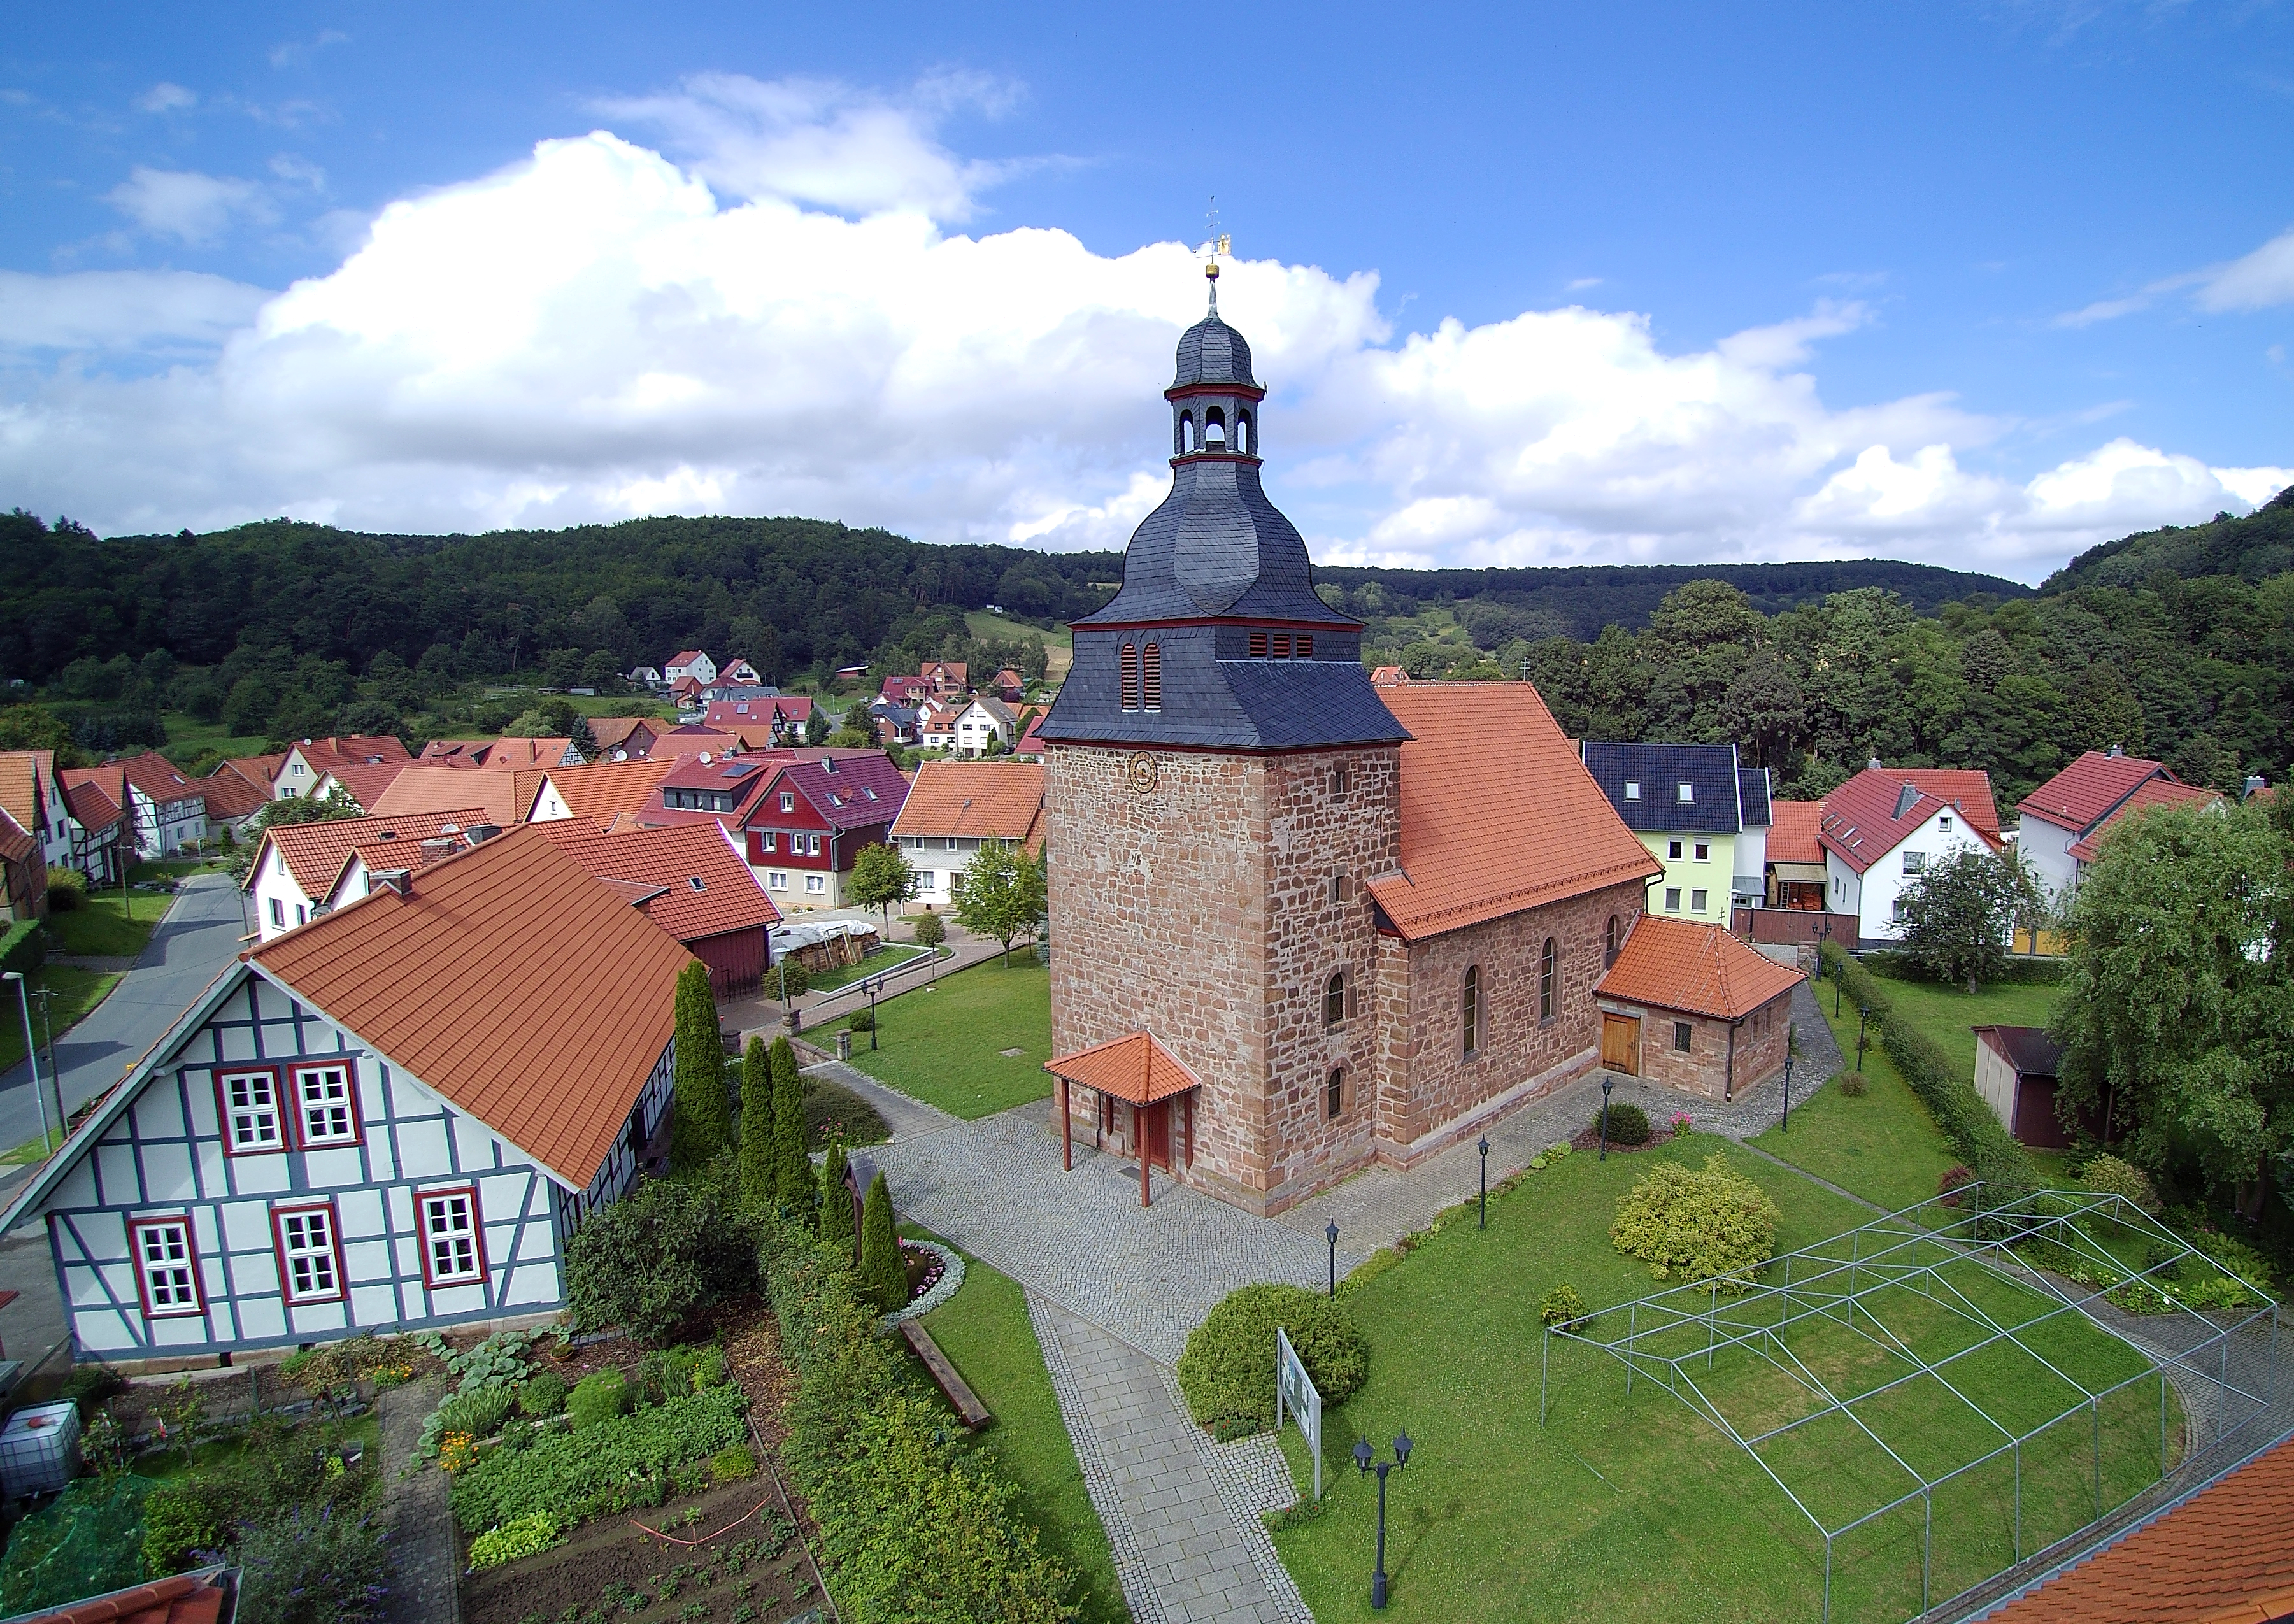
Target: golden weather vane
(1216,247)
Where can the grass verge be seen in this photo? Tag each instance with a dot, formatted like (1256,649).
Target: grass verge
(73,993)
(944,1042)
(110,926)
(1884,1147)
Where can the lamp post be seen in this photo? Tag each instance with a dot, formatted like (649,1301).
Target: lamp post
(1863,1012)
(1333,1233)
(874,987)
(1484,1148)
(1607,1084)
(1786,1127)
(32,1055)
(48,1037)
(1363,1459)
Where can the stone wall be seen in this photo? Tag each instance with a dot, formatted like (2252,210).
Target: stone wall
(1703,1068)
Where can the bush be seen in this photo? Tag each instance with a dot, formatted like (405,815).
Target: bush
(1708,1224)
(594,1469)
(860,1021)
(730,1465)
(541,1395)
(22,947)
(2234,1255)
(882,1275)
(931,931)
(516,1540)
(2107,1175)
(89,1386)
(1227,1371)
(1629,1124)
(1852,1083)
(318,1567)
(788,978)
(600,1396)
(478,1411)
(1561,1304)
(67,890)
(661,1255)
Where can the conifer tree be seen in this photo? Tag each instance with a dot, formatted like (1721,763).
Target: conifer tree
(701,1116)
(836,1208)
(758,1171)
(792,1182)
(883,1277)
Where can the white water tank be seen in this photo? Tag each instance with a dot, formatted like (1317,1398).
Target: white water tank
(39,1449)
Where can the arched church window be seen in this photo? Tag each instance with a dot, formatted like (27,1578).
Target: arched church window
(1469,1012)
(1609,943)
(1150,677)
(1242,433)
(1334,999)
(1545,982)
(1334,1096)
(1128,666)
(1214,429)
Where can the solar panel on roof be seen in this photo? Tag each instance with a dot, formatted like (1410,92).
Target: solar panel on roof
(740,770)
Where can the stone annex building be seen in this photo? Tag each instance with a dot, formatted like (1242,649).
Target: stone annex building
(1302,923)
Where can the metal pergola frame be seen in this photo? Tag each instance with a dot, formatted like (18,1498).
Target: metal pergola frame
(1839,1280)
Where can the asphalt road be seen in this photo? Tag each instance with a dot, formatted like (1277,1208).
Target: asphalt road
(198,937)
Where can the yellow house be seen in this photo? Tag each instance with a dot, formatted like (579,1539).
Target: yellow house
(1698,813)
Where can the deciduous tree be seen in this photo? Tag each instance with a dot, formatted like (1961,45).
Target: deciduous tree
(1961,912)
(1002,895)
(881,876)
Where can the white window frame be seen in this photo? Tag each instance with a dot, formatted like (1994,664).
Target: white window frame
(309,1236)
(1703,851)
(278,913)
(1698,898)
(1673,851)
(1943,824)
(337,1113)
(460,1246)
(1672,900)
(1688,793)
(776,879)
(1632,789)
(815,884)
(168,1275)
(788,801)
(256,1105)
(1916,862)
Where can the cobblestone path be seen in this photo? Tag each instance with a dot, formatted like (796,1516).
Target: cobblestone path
(1182,1512)
(424,1589)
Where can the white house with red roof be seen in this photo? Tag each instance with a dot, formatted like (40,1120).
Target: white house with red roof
(741,674)
(309,761)
(690,665)
(163,811)
(1880,829)
(2064,820)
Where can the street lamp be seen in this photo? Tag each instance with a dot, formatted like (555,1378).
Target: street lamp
(1363,1459)
(1484,1148)
(874,987)
(1333,1233)
(1786,1127)
(1863,1011)
(32,1056)
(1607,1084)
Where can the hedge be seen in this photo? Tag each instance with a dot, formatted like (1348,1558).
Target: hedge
(603,1468)
(1227,1370)
(21,946)
(1974,1129)
(913,1526)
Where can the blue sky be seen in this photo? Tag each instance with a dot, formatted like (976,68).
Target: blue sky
(1980,284)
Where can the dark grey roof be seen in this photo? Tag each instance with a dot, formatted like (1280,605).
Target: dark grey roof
(1753,796)
(1222,704)
(1210,352)
(2028,1049)
(1710,770)
(1216,546)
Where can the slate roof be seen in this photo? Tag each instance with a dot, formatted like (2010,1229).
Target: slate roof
(2028,1049)
(2151,792)
(1222,704)
(2226,1553)
(1135,1066)
(485,985)
(1792,836)
(1752,797)
(1697,969)
(1710,770)
(666,863)
(2086,791)
(1210,352)
(314,855)
(599,791)
(1000,800)
(1875,811)
(505,797)
(1497,814)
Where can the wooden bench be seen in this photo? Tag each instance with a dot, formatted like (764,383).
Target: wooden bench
(959,1392)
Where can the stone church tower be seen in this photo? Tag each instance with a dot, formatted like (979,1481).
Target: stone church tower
(1221,781)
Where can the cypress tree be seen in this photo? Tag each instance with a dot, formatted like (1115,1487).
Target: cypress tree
(792,1182)
(882,1276)
(835,1208)
(701,1116)
(757,1114)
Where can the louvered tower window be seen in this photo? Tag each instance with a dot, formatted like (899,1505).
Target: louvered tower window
(1150,677)
(1130,677)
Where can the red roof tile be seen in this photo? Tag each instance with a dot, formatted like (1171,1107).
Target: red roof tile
(1793,831)
(616,732)
(508,753)
(599,791)
(186,1598)
(24,777)
(2226,1553)
(1498,813)
(92,807)
(314,853)
(506,797)
(2151,792)
(334,751)
(1698,969)
(1002,801)
(1137,1067)
(485,985)
(229,797)
(16,842)
(1860,824)
(666,861)
(2082,793)
(364,781)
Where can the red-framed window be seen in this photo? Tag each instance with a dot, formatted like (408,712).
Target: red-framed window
(247,1104)
(325,1096)
(453,1236)
(310,1252)
(166,1267)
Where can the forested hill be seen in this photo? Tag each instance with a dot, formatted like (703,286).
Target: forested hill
(2254,549)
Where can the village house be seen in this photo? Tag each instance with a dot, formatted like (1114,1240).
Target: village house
(1031,746)
(232,800)
(32,795)
(507,754)
(1882,828)
(690,665)
(300,870)
(600,795)
(623,738)
(1302,924)
(692,882)
(361,782)
(1797,875)
(505,798)
(100,844)
(986,722)
(779,720)
(936,725)
(308,761)
(1700,813)
(742,674)
(1688,1005)
(2061,823)
(23,873)
(801,822)
(952,807)
(894,724)
(309,1151)
(904,691)
(645,677)
(163,811)
(948,681)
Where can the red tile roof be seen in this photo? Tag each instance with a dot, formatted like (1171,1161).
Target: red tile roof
(2226,1554)
(260,771)
(2151,792)
(186,1598)
(314,855)
(455,752)
(92,807)
(686,657)
(507,797)
(757,713)
(1698,969)
(666,861)
(1389,677)
(16,842)
(154,774)
(229,797)
(508,753)
(599,791)
(333,751)
(1860,826)
(1137,1067)
(690,740)
(364,781)
(1793,831)
(1498,813)
(1002,801)
(25,777)
(616,732)
(2084,793)
(485,985)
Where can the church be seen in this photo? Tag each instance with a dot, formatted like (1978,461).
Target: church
(1302,924)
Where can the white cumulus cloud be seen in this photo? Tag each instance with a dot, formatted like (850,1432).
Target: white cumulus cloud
(786,321)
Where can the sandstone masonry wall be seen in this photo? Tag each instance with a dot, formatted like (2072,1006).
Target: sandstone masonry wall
(1703,1068)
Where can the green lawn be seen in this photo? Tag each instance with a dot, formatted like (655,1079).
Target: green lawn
(984,1332)
(943,1043)
(75,992)
(875,965)
(1632,1507)
(1885,1147)
(188,738)
(1059,643)
(110,926)
(1950,1015)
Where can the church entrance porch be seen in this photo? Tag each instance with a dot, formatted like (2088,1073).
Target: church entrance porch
(1144,1104)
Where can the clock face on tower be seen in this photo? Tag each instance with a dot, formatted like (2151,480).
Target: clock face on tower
(1143,772)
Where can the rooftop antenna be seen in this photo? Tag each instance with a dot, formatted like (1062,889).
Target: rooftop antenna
(1216,246)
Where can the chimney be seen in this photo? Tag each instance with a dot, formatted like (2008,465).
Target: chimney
(2254,784)
(438,850)
(480,834)
(399,880)
(1871,764)
(2114,753)
(828,764)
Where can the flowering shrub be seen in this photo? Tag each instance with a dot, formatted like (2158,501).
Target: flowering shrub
(457,1450)
(1681,1125)
(1707,1224)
